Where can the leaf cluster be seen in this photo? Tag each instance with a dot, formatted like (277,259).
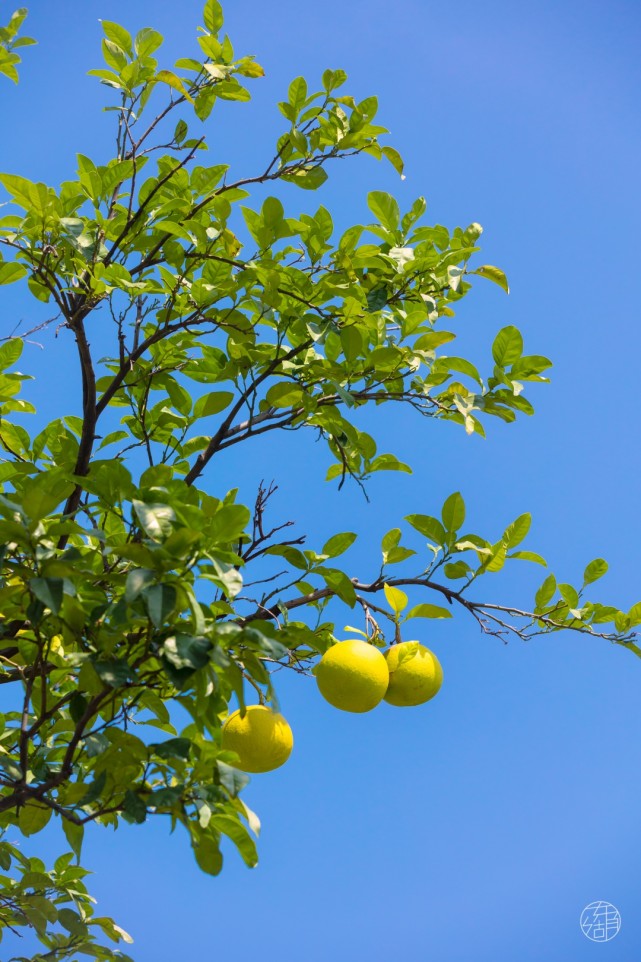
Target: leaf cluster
(133,592)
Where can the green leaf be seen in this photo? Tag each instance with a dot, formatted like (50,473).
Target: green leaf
(6,65)
(634,614)
(236,831)
(433,339)
(332,79)
(339,582)
(44,493)
(114,672)
(10,271)
(546,592)
(147,41)
(391,539)
(155,519)
(205,102)
(272,212)
(285,394)
(33,817)
(428,526)
(232,90)
(457,569)
(74,835)
(212,403)
(496,560)
(460,365)
(72,922)
(530,367)
(113,932)
(77,706)
(137,580)
(338,544)
(180,131)
(453,512)
(213,17)
(229,522)
(186,651)
(396,555)
(529,556)
(507,346)
(249,68)
(49,591)
(408,651)
(395,159)
(118,35)
(493,274)
(172,748)
(134,807)
(10,351)
(24,192)
(170,78)
(309,178)
(377,298)
(595,570)
(569,594)
(208,854)
(297,93)
(388,462)
(231,778)
(516,532)
(621,622)
(428,611)
(160,601)
(396,599)
(385,209)
(631,647)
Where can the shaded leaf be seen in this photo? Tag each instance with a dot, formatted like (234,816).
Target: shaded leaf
(115,673)
(208,854)
(49,591)
(160,601)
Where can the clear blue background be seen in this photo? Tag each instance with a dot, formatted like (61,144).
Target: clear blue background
(478,826)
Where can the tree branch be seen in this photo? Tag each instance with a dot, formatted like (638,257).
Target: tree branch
(205,456)
(478,609)
(90,417)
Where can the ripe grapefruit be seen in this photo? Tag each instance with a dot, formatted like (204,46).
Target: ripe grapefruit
(353,676)
(414,677)
(262,739)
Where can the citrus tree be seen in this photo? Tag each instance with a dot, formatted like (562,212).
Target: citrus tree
(131,585)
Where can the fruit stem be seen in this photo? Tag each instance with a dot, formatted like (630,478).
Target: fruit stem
(261,695)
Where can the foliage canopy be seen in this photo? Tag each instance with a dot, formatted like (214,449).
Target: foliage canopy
(125,574)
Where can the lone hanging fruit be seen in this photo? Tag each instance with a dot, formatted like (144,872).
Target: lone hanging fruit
(353,676)
(261,738)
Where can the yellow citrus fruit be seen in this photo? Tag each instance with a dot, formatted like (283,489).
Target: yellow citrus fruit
(352,676)
(416,679)
(262,739)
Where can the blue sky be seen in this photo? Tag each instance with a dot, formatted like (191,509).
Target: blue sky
(477,826)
